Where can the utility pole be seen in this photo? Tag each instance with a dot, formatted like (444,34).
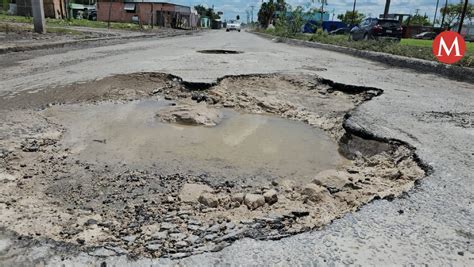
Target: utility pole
(66,7)
(444,13)
(353,13)
(152,20)
(110,13)
(252,7)
(38,16)
(322,11)
(462,16)
(387,8)
(436,12)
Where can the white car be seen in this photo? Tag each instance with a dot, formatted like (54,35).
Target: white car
(233,26)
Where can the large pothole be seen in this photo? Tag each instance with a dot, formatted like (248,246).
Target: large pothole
(167,171)
(219,51)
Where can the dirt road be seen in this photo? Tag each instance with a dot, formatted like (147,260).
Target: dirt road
(392,126)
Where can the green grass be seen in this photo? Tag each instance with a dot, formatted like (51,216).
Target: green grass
(415,42)
(6,18)
(427,43)
(72,22)
(407,47)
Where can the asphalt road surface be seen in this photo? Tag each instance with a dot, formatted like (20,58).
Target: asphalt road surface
(432,224)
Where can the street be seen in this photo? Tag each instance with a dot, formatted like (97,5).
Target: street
(424,220)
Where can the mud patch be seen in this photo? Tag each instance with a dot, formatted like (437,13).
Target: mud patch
(69,178)
(244,148)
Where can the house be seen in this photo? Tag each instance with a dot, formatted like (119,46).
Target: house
(205,22)
(52,8)
(148,12)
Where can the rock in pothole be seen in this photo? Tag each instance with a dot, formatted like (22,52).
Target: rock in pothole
(191,115)
(254,201)
(333,180)
(209,200)
(271,196)
(315,192)
(191,192)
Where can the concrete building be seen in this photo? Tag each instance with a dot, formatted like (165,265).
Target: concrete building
(147,12)
(52,8)
(205,22)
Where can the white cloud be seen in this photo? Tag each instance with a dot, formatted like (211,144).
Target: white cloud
(231,8)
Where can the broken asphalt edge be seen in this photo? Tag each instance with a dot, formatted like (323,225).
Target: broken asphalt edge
(462,74)
(23,48)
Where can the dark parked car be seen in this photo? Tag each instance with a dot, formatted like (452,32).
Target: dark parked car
(92,15)
(426,36)
(375,28)
(340,31)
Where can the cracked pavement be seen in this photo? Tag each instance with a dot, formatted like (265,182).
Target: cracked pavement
(431,224)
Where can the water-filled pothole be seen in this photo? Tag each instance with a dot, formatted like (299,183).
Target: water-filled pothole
(242,146)
(219,51)
(138,209)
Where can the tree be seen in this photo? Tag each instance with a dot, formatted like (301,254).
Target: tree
(280,6)
(323,2)
(201,10)
(452,13)
(350,16)
(207,12)
(266,12)
(5,5)
(419,20)
(293,20)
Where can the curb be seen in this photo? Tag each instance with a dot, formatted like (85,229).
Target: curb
(83,41)
(451,71)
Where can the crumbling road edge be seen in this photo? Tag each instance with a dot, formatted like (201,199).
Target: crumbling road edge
(84,41)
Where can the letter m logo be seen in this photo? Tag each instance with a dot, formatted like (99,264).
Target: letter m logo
(449,47)
(444,47)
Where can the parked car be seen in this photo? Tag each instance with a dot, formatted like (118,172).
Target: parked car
(233,25)
(426,36)
(92,15)
(340,31)
(310,26)
(376,28)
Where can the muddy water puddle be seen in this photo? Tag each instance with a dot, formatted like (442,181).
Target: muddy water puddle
(243,146)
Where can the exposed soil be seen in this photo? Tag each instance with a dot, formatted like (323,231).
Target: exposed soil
(49,193)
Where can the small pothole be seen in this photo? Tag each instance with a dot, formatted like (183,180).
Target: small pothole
(219,51)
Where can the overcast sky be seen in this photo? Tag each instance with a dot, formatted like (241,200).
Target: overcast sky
(231,8)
